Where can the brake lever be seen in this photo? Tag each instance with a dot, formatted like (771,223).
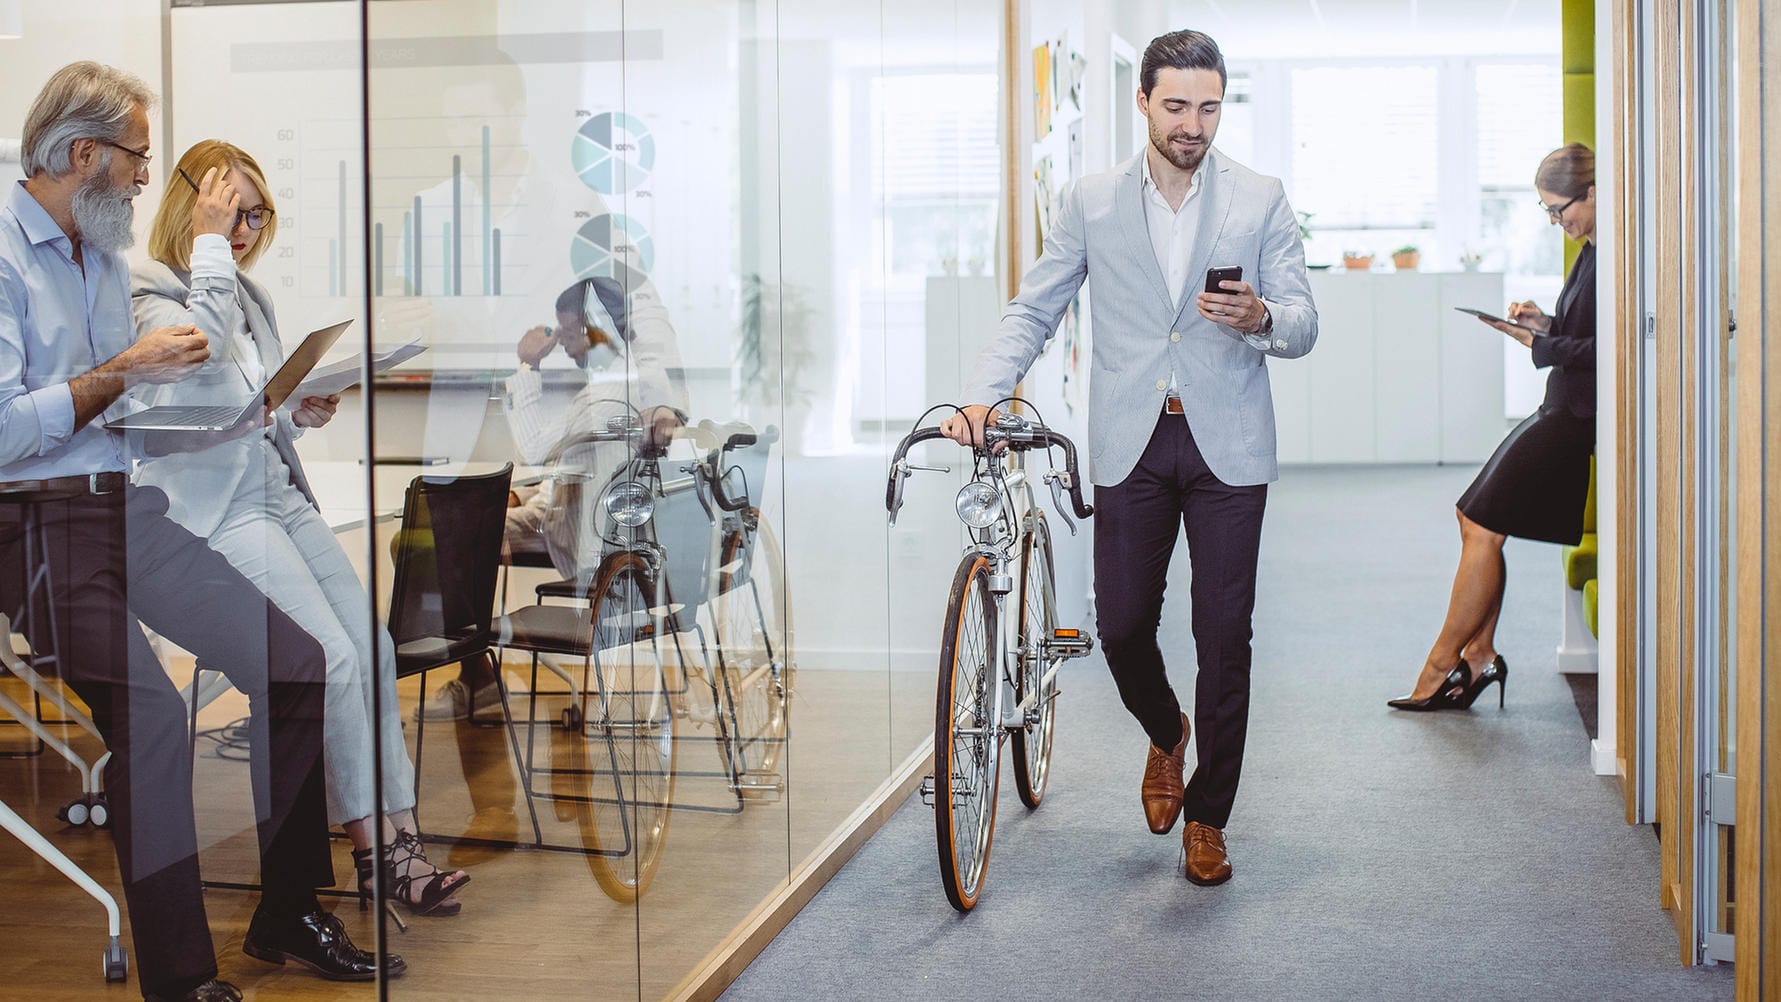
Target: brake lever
(1055,479)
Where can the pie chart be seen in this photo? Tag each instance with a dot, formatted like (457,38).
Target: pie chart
(613,153)
(612,246)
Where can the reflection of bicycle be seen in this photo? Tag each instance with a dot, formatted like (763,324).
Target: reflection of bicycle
(1011,547)
(626,707)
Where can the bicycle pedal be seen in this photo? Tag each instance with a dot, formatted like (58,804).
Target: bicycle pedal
(927,789)
(1067,643)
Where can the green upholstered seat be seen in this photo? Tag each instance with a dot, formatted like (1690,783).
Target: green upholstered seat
(1580,561)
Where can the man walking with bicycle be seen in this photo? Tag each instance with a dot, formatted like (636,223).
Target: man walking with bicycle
(1181,420)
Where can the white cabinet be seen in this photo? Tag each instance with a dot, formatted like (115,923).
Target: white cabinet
(1397,375)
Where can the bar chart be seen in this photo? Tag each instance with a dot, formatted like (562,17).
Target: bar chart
(437,221)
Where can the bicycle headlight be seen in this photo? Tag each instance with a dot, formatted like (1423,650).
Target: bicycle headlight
(978,504)
(629,503)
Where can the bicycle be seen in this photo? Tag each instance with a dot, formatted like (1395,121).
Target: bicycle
(635,698)
(974,707)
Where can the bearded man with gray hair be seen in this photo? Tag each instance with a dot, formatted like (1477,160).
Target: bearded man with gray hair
(114,560)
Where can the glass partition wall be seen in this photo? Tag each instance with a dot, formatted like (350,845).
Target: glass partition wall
(642,296)
(692,269)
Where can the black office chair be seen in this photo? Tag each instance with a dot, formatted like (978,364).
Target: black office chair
(447,557)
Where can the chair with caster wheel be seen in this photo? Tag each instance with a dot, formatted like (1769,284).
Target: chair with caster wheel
(89,808)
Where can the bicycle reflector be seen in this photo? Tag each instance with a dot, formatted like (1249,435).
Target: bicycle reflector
(629,503)
(978,504)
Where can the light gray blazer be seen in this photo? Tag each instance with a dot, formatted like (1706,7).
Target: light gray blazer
(1099,234)
(199,485)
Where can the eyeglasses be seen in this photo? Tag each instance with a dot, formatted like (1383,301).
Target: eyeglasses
(256,218)
(1552,213)
(142,157)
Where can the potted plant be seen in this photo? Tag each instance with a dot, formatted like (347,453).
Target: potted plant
(1406,258)
(773,350)
(1355,260)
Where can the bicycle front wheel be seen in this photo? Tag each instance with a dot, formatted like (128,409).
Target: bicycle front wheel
(629,733)
(966,735)
(755,675)
(1038,617)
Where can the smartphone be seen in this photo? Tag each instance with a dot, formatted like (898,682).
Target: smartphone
(1228,273)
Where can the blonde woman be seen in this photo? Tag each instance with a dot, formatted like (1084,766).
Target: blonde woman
(249,499)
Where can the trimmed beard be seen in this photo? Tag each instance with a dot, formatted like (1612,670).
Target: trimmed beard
(103,215)
(1185,160)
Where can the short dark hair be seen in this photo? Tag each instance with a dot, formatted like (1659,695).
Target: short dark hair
(1181,50)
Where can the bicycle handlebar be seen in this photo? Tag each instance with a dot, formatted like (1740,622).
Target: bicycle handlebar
(1018,438)
(739,436)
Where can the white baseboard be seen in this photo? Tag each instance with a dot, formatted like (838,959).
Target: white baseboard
(1601,759)
(1578,661)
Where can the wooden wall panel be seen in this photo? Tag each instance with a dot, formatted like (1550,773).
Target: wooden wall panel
(1664,90)
(1689,185)
(1757,922)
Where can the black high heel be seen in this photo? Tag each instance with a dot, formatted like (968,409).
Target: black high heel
(1497,671)
(1453,689)
(400,886)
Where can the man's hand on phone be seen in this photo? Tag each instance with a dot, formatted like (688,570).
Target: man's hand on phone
(1237,307)
(967,428)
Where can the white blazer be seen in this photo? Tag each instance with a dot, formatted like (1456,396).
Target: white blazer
(199,485)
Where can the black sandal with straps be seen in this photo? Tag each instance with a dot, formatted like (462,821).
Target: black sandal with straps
(400,886)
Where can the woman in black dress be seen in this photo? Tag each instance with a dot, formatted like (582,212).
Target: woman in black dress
(1535,485)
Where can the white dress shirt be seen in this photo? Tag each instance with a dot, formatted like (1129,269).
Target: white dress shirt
(1172,234)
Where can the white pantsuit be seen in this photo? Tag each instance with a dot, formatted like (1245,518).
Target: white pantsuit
(249,500)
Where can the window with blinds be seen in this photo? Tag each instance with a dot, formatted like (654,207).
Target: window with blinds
(936,134)
(1364,146)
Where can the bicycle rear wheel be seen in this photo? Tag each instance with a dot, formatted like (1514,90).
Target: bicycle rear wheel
(966,737)
(1038,617)
(628,727)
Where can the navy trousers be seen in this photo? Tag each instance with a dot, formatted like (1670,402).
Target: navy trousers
(1135,532)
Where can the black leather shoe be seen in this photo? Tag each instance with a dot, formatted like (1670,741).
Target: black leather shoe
(319,942)
(210,991)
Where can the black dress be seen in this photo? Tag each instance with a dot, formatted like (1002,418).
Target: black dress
(1536,484)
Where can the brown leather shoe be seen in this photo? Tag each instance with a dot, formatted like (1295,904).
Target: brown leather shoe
(1207,864)
(1163,784)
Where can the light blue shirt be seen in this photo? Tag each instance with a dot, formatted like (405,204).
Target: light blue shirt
(57,322)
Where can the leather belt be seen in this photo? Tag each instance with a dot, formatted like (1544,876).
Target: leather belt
(63,487)
(1172,405)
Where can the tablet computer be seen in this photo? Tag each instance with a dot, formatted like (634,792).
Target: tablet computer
(1480,314)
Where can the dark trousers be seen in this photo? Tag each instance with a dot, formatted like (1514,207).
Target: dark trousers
(1134,537)
(113,560)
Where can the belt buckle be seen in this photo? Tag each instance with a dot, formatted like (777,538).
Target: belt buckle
(97,486)
(1172,404)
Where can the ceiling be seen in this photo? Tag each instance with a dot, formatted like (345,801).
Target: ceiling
(1259,29)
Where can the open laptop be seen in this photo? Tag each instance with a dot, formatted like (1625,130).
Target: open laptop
(215,417)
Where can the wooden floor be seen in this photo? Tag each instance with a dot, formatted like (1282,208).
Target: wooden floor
(535,923)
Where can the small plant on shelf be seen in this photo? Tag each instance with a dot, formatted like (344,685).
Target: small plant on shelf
(1406,258)
(1355,260)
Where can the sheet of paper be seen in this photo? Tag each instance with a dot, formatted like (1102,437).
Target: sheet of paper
(336,377)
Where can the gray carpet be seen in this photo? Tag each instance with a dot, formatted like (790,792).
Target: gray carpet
(1378,855)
